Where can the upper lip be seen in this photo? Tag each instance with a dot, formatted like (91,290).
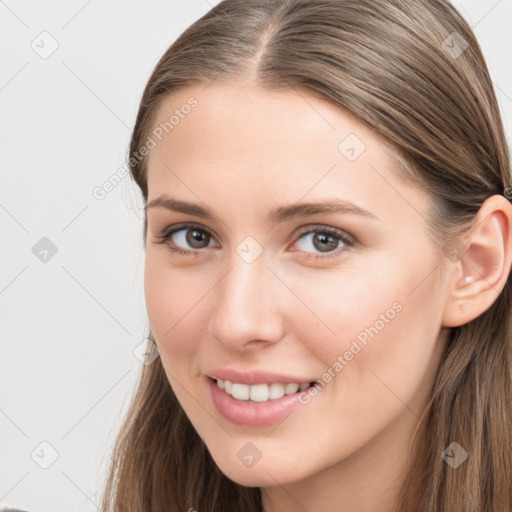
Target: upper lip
(254,377)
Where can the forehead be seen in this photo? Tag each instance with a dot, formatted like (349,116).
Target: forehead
(233,140)
(245,120)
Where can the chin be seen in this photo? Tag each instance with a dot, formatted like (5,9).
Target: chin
(263,473)
(252,477)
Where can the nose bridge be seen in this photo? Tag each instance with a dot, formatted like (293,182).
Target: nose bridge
(246,307)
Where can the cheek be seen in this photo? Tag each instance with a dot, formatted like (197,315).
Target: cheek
(342,308)
(374,321)
(170,303)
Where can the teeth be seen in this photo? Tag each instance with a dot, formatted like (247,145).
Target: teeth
(275,391)
(260,392)
(291,388)
(240,391)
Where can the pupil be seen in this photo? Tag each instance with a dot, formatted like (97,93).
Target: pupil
(195,237)
(321,238)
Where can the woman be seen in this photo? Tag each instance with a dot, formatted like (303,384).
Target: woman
(328,240)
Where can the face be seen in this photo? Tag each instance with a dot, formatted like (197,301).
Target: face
(251,286)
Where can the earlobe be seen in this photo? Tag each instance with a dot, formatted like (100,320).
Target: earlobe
(482,271)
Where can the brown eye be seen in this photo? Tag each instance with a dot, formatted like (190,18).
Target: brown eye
(196,237)
(323,240)
(186,238)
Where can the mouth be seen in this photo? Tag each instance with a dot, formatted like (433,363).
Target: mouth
(257,393)
(256,405)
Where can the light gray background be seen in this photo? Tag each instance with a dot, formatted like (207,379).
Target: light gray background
(70,325)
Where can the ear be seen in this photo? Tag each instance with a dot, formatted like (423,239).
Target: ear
(484,266)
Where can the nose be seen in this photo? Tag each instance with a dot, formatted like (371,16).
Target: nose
(246,312)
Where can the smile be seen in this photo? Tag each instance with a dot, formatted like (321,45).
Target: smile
(255,405)
(260,392)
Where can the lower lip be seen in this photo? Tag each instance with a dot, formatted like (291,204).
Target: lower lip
(251,414)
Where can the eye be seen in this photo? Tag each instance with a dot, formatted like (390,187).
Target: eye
(185,239)
(325,240)
(188,240)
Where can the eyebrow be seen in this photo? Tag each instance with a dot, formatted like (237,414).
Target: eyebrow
(275,216)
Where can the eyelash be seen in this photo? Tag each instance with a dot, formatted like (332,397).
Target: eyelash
(349,241)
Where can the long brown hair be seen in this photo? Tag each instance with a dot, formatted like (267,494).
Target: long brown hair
(413,71)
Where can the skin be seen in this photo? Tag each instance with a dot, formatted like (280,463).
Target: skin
(242,152)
